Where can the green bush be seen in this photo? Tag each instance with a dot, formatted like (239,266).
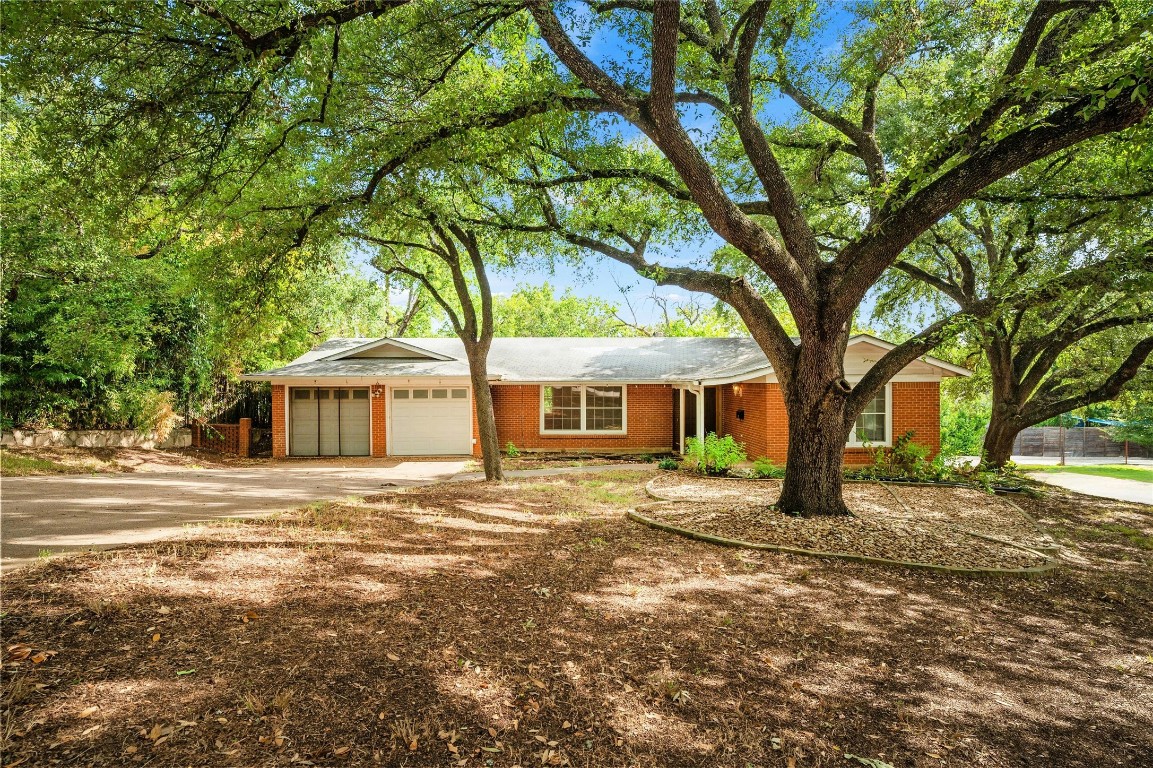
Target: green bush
(714,455)
(668,464)
(962,427)
(511,450)
(906,460)
(765,468)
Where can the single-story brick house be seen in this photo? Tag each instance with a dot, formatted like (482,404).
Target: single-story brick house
(412,397)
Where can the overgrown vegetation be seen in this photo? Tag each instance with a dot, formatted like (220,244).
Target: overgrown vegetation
(714,455)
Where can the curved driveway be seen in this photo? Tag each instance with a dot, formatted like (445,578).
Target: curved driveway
(1096,485)
(59,513)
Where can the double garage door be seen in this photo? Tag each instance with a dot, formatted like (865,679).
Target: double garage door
(329,421)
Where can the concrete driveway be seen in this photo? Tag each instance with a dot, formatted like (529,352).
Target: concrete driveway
(60,513)
(1106,487)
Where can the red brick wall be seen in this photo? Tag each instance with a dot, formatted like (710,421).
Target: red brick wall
(649,428)
(917,406)
(279,436)
(223,438)
(378,440)
(765,429)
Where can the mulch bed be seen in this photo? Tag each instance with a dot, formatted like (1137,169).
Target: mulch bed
(932,526)
(532,624)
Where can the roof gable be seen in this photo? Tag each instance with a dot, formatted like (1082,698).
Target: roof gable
(387,348)
(948,368)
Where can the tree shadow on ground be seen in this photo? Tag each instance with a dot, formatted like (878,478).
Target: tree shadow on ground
(530,624)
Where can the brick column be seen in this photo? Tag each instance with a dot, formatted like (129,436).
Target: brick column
(279,436)
(244,438)
(377,395)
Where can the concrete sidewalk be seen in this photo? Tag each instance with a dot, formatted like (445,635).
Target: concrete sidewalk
(1081,461)
(1106,487)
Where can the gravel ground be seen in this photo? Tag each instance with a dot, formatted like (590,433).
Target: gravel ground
(933,525)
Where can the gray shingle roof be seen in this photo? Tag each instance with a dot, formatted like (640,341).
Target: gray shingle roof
(558,359)
(546,359)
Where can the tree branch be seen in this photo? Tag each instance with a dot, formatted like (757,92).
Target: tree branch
(1043,409)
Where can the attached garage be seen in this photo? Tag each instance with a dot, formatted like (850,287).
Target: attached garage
(328,421)
(430,421)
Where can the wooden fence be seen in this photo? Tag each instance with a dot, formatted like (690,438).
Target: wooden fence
(1085,442)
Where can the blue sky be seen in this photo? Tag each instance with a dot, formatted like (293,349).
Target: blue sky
(603,278)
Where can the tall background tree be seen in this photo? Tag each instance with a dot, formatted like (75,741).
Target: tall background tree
(1056,271)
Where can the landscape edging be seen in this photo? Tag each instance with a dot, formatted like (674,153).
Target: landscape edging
(709,538)
(1050,561)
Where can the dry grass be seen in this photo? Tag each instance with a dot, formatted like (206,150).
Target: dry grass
(530,624)
(51,460)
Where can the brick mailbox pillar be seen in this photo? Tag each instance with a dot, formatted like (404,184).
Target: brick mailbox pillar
(244,439)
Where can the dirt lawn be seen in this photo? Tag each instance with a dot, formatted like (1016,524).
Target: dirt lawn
(531,624)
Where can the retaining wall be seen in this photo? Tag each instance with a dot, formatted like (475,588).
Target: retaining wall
(94,438)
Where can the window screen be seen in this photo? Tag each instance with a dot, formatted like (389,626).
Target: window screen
(302,394)
(870,425)
(360,394)
(562,408)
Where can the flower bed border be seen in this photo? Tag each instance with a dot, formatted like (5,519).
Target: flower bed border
(1050,563)
(998,489)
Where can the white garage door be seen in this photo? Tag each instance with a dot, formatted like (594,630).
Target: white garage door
(432,421)
(328,421)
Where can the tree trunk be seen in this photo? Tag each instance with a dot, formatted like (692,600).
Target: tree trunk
(1004,420)
(485,418)
(815,399)
(1003,430)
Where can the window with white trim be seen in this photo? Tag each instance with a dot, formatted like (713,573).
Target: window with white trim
(596,408)
(873,423)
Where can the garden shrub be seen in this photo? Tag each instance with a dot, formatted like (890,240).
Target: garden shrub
(511,450)
(714,455)
(963,427)
(764,467)
(668,464)
(906,460)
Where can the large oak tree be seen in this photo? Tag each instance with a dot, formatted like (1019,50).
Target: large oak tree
(1001,86)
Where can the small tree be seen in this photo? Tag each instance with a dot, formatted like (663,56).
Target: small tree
(448,259)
